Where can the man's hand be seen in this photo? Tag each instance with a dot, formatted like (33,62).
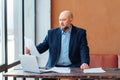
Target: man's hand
(84,66)
(27,51)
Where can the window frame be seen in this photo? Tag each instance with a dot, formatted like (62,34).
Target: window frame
(5,66)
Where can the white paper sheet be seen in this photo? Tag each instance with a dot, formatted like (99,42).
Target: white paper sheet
(94,70)
(30,45)
(56,69)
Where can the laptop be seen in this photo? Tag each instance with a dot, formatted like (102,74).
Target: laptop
(29,63)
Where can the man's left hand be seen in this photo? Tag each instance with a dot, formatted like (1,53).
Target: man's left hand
(84,66)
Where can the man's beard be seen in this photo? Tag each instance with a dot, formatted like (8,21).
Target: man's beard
(65,28)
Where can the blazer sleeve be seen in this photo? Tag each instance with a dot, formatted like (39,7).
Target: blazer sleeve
(84,49)
(42,47)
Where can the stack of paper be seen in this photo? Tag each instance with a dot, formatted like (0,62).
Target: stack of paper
(94,70)
(56,69)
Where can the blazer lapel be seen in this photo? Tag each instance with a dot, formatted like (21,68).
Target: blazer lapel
(58,41)
(71,39)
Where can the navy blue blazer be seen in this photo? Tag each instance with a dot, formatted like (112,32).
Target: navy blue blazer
(78,46)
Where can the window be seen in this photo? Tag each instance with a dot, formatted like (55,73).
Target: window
(10,32)
(1,33)
(12,25)
(1,39)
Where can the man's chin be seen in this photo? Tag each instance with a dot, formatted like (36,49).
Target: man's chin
(62,27)
(65,28)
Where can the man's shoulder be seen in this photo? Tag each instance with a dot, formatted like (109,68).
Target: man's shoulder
(78,28)
(54,30)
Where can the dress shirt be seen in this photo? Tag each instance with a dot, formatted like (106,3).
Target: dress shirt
(64,55)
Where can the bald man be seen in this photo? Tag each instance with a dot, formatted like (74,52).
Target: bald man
(67,44)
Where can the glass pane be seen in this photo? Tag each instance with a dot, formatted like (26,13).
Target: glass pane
(10,31)
(1,33)
(1,77)
(0,50)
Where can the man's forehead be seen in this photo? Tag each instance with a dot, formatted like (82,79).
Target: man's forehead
(64,15)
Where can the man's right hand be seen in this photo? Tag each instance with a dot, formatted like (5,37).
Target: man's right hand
(27,51)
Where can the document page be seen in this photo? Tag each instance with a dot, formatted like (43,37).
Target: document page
(56,69)
(30,44)
(94,70)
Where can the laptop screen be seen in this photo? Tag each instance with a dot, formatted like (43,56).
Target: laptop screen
(29,63)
